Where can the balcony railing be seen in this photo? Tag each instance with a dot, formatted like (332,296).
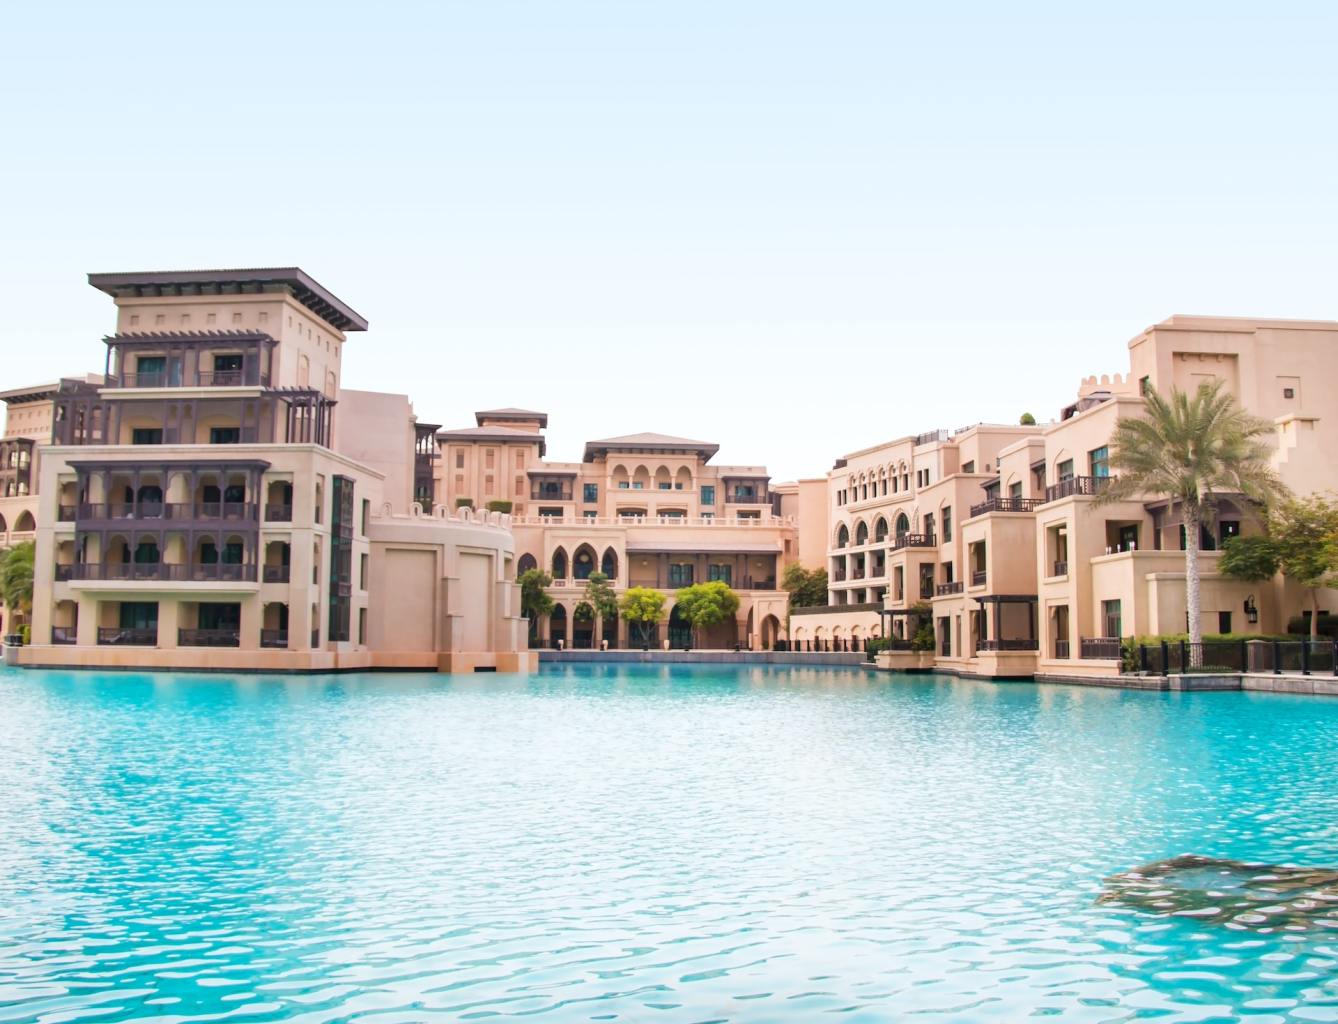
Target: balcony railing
(1061,568)
(955,587)
(64,573)
(838,575)
(539,494)
(1107,647)
(64,634)
(1084,485)
(1061,649)
(274,638)
(1022,644)
(913,540)
(175,379)
(276,573)
(1005,505)
(238,511)
(115,636)
(207,572)
(209,638)
(978,578)
(278,513)
(66,513)
(747,499)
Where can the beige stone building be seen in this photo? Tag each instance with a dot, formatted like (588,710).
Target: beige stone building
(995,532)
(217,499)
(647,510)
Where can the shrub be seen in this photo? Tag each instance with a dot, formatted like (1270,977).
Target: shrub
(499,505)
(1327,626)
(464,502)
(923,639)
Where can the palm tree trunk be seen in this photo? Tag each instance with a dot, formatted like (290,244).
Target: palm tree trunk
(1314,613)
(1190,516)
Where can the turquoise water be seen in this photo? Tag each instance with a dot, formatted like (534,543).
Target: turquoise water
(643,844)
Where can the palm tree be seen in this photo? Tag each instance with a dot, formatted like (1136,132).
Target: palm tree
(1190,448)
(16,580)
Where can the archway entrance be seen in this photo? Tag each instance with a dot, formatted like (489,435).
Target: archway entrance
(557,625)
(583,627)
(680,630)
(770,632)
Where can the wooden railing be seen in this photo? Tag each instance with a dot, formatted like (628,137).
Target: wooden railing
(1082,485)
(1005,505)
(115,636)
(955,587)
(1022,644)
(209,638)
(913,540)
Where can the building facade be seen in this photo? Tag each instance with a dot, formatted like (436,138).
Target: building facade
(217,499)
(646,510)
(994,536)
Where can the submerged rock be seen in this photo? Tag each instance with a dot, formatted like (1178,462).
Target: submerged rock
(1234,893)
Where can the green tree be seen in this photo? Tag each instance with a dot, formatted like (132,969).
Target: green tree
(16,580)
(1027,420)
(600,596)
(706,604)
(534,600)
(1303,531)
(641,607)
(1253,559)
(807,588)
(1189,448)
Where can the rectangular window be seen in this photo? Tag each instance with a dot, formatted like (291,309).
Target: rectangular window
(708,494)
(488,484)
(1015,489)
(1144,385)
(680,574)
(1110,619)
(318,512)
(723,573)
(1129,537)
(708,515)
(623,485)
(591,514)
(1224,622)
(637,485)
(947,524)
(366,514)
(362,625)
(362,573)
(551,513)
(146,435)
(665,486)
(1228,528)
(225,435)
(489,458)
(969,467)
(1065,470)
(590,493)
(520,487)
(459,460)
(151,371)
(1099,460)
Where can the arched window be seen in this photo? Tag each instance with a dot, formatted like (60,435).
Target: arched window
(842,536)
(880,529)
(583,562)
(903,524)
(608,565)
(861,533)
(526,563)
(559,564)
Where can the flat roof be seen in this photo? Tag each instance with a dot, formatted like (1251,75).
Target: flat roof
(31,393)
(305,288)
(494,434)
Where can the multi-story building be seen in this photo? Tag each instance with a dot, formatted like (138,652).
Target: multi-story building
(647,510)
(995,535)
(203,504)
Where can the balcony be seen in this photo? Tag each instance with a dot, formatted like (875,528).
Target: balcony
(64,573)
(115,636)
(231,511)
(944,589)
(278,513)
(63,635)
(747,499)
(1061,568)
(1100,647)
(208,638)
(914,540)
(1088,486)
(1021,644)
(209,572)
(274,639)
(978,578)
(276,573)
(66,513)
(1005,505)
(838,575)
(246,377)
(546,494)
(1062,649)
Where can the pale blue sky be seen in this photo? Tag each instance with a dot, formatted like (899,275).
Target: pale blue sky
(779,226)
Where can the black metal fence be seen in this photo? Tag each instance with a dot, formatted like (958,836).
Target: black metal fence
(1233,656)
